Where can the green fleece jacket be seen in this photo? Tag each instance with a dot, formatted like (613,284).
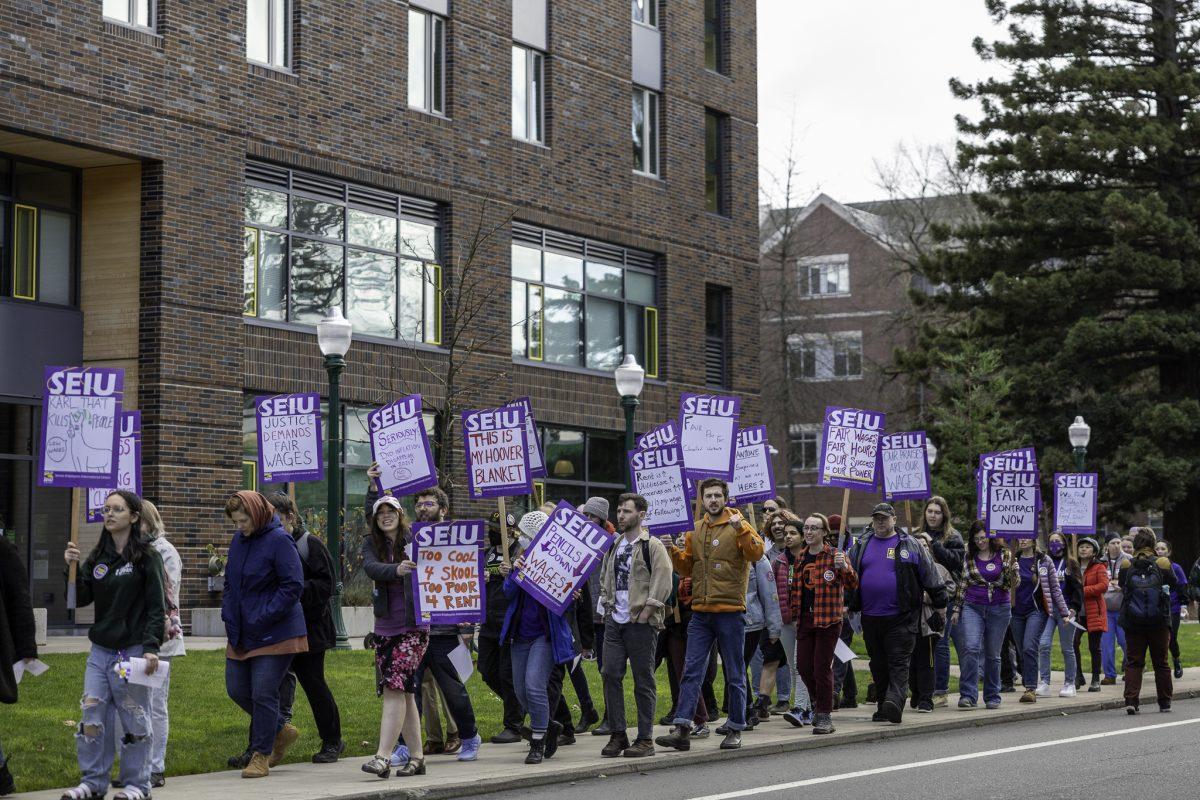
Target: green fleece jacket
(130,602)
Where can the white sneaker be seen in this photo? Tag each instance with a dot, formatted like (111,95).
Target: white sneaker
(1068,690)
(1042,690)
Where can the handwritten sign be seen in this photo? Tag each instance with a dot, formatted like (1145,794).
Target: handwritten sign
(81,409)
(289,438)
(1012,504)
(753,473)
(537,459)
(1075,495)
(658,476)
(905,467)
(449,588)
(850,448)
(129,465)
(561,556)
(708,434)
(400,445)
(496,456)
(1022,459)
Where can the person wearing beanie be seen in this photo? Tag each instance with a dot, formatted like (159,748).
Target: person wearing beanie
(1178,593)
(495,660)
(1146,617)
(1115,560)
(1093,613)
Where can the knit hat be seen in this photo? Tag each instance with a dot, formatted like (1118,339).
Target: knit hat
(530,524)
(1089,540)
(835,522)
(596,506)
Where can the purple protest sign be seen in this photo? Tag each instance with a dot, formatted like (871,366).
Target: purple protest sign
(129,465)
(449,588)
(753,473)
(537,459)
(289,438)
(1018,460)
(905,467)
(665,434)
(400,445)
(1075,498)
(81,410)
(658,476)
(494,448)
(708,434)
(561,556)
(850,448)
(1012,504)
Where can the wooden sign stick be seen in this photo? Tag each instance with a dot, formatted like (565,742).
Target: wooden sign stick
(908,516)
(503,531)
(845,511)
(74,568)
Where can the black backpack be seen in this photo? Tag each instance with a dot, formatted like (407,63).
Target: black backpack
(1147,603)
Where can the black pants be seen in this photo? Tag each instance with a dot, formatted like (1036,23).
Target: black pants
(1010,659)
(582,690)
(890,641)
(920,670)
(458,702)
(844,683)
(1175,636)
(495,667)
(559,710)
(287,694)
(309,669)
(1093,651)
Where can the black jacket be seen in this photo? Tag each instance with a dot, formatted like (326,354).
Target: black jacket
(915,574)
(949,550)
(317,593)
(17,639)
(495,603)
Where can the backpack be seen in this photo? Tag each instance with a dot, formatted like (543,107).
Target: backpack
(1147,603)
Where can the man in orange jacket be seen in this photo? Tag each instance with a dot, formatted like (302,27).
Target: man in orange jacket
(717,556)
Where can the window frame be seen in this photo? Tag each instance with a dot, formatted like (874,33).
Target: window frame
(590,487)
(822,266)
(10,202)
(535,101)
(433,65)
(801,435)
(651,12)
(131,12)
(284,64)
(716,164)
(724,296)
(823,350)
(651,148)
(716,24)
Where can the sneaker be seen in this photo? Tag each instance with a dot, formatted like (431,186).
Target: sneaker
(924,708)
(1164,707)
(1030,696)
(537,751)
(157,780)
(587,720)
(723,730)
(7,784)
(566,738)
(891,712)
(782,706)
(667,719)
(329,752)
(1007,688)
(1131,710)
(795,718)
(871,698)
(641,749)
(1095,687)
(1068,690)
(823,723)
(399,757)
(677,739)
(965,704)
(992,705)
(453,745)
(1178,669)
(1107,681)
(732,741)
(506,736)
(1042,690)
(470,748)
(806,716)
(701,731)
(239,762)
(940,701)
(617,744)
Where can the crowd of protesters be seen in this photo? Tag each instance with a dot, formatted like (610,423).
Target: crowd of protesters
(774,607)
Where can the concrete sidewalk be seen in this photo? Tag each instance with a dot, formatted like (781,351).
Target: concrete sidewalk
(501,767)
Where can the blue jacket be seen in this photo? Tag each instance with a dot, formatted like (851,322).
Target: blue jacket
(561,639)
(263,582)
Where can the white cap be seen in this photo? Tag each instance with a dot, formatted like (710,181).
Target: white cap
(386,500)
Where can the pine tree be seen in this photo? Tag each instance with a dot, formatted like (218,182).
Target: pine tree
(1084,271)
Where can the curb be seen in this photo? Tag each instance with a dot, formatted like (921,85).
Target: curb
(624,766)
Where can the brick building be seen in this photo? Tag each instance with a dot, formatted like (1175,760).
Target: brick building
(186,185)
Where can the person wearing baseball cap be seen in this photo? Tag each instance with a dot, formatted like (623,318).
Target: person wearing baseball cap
(495,661)
(895,572)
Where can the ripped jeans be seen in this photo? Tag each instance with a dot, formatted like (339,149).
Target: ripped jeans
(103,692)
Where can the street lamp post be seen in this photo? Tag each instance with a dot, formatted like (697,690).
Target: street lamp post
(1080,433)
(630,379)
(931,452)
(333,337)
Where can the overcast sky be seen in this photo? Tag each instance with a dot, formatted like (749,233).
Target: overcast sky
(858,78)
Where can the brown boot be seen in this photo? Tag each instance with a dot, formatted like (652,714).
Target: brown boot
(286,737)
(259,767)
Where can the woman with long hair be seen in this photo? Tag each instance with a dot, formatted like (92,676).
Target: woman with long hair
(1063,574)
(1093,615)
(123,576)
(984,610)
(1178,594)
(263,622)
(1038,593)
(399,642)
(947,548)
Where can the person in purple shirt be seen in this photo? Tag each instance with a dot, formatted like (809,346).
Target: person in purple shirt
(895,571)
(984,611)
(1163,550)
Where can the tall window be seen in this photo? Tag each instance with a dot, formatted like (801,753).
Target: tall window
(426,61)
(715,124)
(714,35)
(528,94)
(645,131)
(716,335)
(824,276)
(804,442)
(824,357)
(130,12)
(312,243)
(581,464)
(39,210)
(581,303)
(269,32)
(645,12)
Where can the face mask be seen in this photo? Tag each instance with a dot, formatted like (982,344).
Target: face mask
(1056,548)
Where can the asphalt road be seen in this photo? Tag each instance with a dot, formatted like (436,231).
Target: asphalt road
(1104,754)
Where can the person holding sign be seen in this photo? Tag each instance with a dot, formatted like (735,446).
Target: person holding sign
(894,573)
(717,556)
(123,576)
(1037,593)
(18,642)
(984,609)
(1064,572)
(635,583)
(398,639)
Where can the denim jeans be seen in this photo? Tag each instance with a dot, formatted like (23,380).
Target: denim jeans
(982,635)
(458,702)
(787,637)
(253,684)
(531,665)
(1066,640)
(728,629)
(106,696)
(1115,635)
(1027,633)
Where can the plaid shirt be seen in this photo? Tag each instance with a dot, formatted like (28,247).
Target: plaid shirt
(827,584)
(1006,582)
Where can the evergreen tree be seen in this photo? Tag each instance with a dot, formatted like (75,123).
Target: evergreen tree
(1084,270)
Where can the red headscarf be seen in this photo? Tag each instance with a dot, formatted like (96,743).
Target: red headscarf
(257,508)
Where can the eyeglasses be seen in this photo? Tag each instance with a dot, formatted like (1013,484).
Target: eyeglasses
(109,510)
(769,510)
(813,528)
(427,504)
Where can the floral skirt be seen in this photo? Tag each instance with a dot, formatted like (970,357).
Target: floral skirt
(396,660)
